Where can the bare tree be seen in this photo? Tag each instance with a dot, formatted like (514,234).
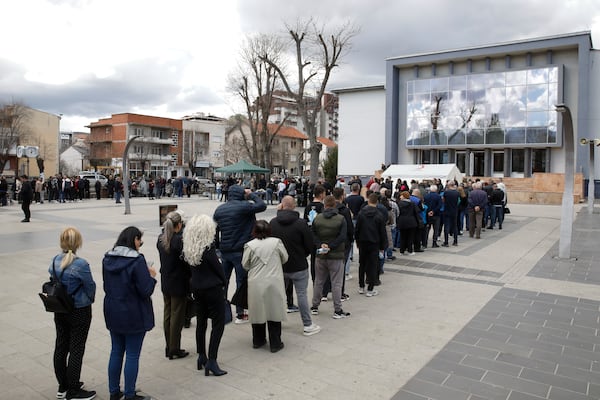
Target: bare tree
(254,82)
(13,130)
(317,51)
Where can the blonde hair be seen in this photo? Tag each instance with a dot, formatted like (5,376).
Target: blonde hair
(198,235)
(173,219)
(70,242)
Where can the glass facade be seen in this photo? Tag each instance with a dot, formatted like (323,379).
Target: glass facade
(496,109)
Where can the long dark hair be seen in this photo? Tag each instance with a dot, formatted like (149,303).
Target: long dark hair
(127,237)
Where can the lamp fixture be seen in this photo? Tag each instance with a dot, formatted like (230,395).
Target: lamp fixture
(584,141)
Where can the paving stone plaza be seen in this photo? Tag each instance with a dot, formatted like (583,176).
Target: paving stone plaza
(495,318)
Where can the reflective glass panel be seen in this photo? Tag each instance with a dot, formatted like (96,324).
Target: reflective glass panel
(516,78)
(487,108)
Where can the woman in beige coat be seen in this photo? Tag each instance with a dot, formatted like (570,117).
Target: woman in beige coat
(263,258)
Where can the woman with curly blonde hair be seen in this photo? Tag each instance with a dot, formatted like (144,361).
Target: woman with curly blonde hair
(208,286)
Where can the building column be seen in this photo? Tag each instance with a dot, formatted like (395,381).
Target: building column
(468,170)
(507,160)
(527,163)
(452,156)
(548,159)
(487,162)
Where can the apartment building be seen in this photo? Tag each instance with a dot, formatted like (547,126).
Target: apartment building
(156,153)
(202,145)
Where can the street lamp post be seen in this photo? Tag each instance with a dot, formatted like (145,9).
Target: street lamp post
(567,207)
(126,173)
(591,178)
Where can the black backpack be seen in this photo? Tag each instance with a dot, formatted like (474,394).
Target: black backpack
(54,294)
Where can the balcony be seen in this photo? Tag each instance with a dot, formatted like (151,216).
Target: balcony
(149,157)
(156,140)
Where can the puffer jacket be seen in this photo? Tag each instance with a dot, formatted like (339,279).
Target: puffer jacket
(128,288)
(370,227)
(408,215)
(236,218)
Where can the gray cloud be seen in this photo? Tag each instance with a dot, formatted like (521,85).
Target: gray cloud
(388,28)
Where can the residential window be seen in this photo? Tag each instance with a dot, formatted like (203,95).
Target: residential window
(175,139)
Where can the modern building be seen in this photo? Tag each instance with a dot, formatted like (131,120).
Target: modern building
(489,109)
(156,154)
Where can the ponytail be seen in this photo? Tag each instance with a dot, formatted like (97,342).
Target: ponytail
(172,220)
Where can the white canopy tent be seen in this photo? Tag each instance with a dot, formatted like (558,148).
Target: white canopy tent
(421,172)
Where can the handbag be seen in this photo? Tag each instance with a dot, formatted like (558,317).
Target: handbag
(506,210)
(54,294)
(228,314)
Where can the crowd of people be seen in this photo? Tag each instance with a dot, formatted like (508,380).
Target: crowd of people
(271,260)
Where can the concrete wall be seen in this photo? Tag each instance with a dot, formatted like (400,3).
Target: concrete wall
(361,143)
(43,131)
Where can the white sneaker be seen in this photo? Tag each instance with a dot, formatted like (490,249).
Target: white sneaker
(324,298)
(348,277)
(311,330)
(243,320)
(372,293)
(412,254)
(361,290)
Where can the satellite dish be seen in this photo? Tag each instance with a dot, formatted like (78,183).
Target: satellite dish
(20,151)
(32,151)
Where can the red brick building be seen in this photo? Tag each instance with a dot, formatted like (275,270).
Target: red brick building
(156,154)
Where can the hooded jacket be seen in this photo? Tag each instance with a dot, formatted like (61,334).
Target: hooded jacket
(408,215)
(236,218)
(296,237)
(128,288)
(329,227)
(370,227)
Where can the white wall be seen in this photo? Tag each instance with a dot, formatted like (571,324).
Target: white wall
(361,141)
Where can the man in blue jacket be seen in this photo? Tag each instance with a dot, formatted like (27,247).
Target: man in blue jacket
(235,220)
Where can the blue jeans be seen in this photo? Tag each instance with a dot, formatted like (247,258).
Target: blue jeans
(129,345)
(499,215)
(231,261)
(300,281)
(269,198)
(117,196)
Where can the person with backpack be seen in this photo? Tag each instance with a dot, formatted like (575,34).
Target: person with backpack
(72,328)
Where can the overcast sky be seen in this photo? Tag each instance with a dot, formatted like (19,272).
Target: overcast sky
(88,59)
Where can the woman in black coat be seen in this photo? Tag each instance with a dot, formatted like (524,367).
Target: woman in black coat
(175,278)
(407,222)
(208,287)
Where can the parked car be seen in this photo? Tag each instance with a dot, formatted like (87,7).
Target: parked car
(93,177)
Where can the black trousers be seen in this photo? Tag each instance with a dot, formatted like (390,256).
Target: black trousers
(71,335)
(407,240)
(368,264)
(259,334)
(25,207)
(210,303)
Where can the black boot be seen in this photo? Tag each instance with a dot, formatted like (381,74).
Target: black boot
(212,366)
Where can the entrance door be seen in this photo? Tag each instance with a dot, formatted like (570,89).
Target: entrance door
(498,164)
(478,163)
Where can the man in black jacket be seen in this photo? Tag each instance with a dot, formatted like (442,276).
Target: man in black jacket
(371,238)
(26,197)
(235,220)
(298,241)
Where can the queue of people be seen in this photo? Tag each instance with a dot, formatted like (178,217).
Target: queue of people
(270,260)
